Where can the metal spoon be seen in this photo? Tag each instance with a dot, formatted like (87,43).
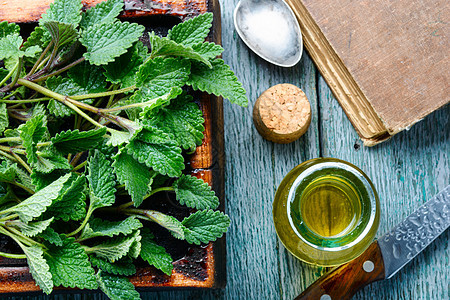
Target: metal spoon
(270,29)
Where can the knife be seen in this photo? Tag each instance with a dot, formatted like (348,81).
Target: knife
(386,256)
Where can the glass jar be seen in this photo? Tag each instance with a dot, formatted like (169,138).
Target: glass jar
(326,211)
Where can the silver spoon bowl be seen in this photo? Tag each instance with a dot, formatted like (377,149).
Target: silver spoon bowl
(269,28)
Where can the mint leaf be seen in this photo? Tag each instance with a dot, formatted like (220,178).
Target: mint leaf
(135,247)
(154,254)
(98,227)
(70,204)
(33,228)
(208,50)
(51,236)
(63,11)
(39,268)
(195,193)
(105,42)
(7,171)
(159,76)
(218,80)
(8,28)
(101,181)
(192,31)
(38,37)
(124,68)
(9,46)
(134,175)
(75,141)
(102,13)
(48,161)
(35,205)
(41,180)
(115,248)
(158,151)
(164,47)
(31,133)
(4,119)
(170,223)
(24,178)
(149,105)
(183,119)
(62,34)
(117,287)
(205,226)
(123,266)
(119,137)
(89,77)
(67,87)
(70,266)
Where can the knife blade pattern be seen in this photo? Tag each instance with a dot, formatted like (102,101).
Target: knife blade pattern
(415,233)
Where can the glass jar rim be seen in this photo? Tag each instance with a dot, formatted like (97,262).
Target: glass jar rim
(325,163)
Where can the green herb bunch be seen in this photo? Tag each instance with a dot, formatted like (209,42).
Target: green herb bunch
(92,124)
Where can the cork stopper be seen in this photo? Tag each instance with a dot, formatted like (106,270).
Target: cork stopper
(282,113)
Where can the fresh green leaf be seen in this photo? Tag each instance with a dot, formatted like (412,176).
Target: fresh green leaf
(135,248)
(159,76)
(64,86)
(41,180)
(192,31)
(195,193)
(218,80)
(124,68)
(150,105)
(62,34)
(158,151)
(162,46)
(101,181)
(7,171)
(31,133)
(51,236)
(70,266)
(8,28)
(117,287)
(3,73)
(39,268)
(205,226)
(35,205)
(208,50)
(170,223)
(89,77)
(63,11)
(114,248)
(75,141)
(38,37)
(4,119)
(9,46)
(24,178)
(123,266)
(103,13)
(48,161)
(154,254)
(33,228)
(105,42)
(119,137)
(98,227)
(71,203)
(135,175)
(183,119)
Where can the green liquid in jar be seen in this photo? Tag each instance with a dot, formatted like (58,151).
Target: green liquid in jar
(329,206)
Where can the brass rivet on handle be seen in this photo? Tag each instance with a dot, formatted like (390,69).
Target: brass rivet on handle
(282,113)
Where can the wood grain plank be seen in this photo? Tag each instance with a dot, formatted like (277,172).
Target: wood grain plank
(406,171)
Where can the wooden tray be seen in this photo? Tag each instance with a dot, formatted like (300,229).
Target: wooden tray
(200,266)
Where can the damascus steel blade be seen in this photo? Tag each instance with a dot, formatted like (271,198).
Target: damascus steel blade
(415,233)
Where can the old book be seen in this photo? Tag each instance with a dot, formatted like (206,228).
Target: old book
(385,61)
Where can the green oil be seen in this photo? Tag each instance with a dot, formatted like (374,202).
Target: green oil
(329,206)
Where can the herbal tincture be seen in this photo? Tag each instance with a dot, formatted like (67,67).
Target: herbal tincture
(326,211)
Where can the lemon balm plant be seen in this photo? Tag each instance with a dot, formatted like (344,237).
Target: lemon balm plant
(89,115)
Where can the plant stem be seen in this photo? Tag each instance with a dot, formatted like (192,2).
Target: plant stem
(10,139)
(40,59)
(11,149)
(86,219)
(161,189)
(7,155)
(80,60)
(24,238)
(9,74)
(10,217)
(22,162)
(80,166)
(10,255)
(24,101)
(16,77)
(104,94)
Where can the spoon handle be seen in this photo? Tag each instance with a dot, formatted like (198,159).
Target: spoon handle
(344,281)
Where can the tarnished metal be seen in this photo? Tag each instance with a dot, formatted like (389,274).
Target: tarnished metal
(415,233)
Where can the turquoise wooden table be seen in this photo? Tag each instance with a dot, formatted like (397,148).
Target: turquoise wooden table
(407,170)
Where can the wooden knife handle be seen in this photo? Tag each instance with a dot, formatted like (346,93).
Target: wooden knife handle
(344,281)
